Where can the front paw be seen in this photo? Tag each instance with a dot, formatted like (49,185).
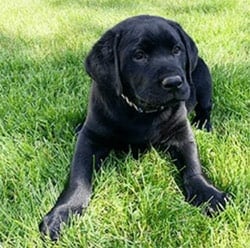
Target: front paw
(52,222)
(199,191)
(202,123)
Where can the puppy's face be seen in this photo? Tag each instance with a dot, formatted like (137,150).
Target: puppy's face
(147,59)
(153,64)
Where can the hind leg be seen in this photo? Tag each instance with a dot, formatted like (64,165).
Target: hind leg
(203,85)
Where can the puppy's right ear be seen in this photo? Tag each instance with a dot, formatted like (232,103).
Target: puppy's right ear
(102,63)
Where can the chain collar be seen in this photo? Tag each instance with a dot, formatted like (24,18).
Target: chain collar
(139,109)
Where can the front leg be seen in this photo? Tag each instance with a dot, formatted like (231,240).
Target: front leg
(198,190)
(76,194)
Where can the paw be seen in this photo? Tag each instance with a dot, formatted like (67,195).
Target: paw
(199,191)
(202,123)
(52,222)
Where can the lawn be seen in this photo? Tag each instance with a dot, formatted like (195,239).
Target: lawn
(136,203)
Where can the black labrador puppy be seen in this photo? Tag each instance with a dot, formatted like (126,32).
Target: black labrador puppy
(146,76)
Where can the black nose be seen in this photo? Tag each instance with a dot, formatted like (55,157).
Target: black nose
(173,82)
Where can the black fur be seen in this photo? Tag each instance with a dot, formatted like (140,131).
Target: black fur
(146,76)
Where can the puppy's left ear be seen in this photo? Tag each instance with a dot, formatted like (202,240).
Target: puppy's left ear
(191,50)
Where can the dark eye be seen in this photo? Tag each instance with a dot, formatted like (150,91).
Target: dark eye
(140,55)
(176,50)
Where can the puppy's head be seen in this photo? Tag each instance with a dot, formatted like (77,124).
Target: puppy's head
(148,59)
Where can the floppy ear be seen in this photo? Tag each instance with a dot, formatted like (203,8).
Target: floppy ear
(191,50)
(102,63)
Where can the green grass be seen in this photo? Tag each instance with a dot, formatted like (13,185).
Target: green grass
(136,203)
